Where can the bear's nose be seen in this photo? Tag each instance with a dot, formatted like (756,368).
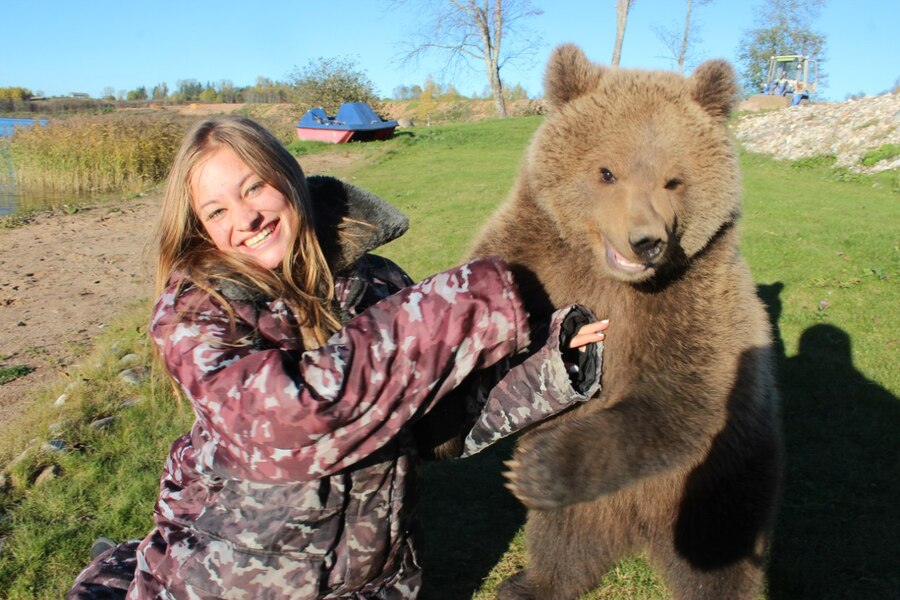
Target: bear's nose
(647,247)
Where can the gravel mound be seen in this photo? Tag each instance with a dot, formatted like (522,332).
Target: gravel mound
(847,130)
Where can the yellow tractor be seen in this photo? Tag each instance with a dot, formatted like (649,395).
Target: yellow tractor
(789,82)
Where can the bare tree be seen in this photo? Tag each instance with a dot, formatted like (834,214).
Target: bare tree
(622,8)
(681,43)
(489,31)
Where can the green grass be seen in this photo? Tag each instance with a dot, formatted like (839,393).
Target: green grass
(884,152)
(447,179)
(825,254)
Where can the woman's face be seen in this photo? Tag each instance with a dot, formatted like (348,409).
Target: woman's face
(241,213)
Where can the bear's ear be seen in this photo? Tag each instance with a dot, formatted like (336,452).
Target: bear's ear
(714,87)
(569,75)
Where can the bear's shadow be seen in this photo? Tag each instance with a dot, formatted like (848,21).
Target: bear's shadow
(838,528)
(469,519)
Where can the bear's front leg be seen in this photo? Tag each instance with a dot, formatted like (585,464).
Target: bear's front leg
(549,470)
(597,454)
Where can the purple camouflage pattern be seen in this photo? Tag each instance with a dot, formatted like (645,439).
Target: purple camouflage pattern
(295,478)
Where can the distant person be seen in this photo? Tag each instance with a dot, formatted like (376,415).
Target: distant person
(308,363)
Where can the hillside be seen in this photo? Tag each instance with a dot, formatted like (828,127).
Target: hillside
(848,131)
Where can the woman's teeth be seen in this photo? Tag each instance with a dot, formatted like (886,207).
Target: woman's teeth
(260,237)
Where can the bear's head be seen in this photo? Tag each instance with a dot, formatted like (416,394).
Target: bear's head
(639,165)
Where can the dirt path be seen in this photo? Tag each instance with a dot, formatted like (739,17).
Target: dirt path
(64,276)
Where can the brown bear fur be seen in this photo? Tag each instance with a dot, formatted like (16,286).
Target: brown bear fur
(627,203)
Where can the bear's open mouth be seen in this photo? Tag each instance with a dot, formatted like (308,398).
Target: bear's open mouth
(617,261)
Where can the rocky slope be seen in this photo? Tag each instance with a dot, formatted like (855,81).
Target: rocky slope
(847,130)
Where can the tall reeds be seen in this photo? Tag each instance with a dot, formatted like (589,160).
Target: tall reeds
(91,154)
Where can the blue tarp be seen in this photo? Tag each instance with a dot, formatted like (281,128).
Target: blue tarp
(355,116)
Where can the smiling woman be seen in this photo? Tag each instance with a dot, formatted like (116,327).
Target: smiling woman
(240,212)
(233,188)
(308,377)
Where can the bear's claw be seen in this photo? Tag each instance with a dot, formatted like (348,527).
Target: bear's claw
(540,477)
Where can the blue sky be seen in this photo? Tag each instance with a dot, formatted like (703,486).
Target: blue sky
(64,46)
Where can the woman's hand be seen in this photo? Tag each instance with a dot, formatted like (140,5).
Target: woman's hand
(589,334)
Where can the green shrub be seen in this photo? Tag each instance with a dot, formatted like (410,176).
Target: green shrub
(330,82)
(13,372)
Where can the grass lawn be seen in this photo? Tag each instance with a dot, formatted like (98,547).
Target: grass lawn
(824,253)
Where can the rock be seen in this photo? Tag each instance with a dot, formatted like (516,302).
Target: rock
(55,428)
(132,402)
(134,376)
(61,400)
(104,423)
(20,458)
(129,359)
(54,446)
(48,474)
(405,123)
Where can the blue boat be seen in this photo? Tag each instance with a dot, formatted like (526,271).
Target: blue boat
(355,121)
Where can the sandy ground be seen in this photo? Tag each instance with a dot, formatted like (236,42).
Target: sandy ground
(63,277)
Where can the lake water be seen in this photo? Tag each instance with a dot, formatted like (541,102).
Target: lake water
(7,201)
(8,125)
(7,193)
(10,198)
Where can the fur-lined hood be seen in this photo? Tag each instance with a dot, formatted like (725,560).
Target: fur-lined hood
(351,221)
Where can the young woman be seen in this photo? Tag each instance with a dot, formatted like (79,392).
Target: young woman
(308,363)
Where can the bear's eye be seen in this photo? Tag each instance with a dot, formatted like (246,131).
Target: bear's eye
(606,176)
(674,184)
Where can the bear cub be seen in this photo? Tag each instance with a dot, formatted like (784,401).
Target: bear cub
(627,203)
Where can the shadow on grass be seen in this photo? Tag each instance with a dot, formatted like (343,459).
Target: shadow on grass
(838,530)
(469,520)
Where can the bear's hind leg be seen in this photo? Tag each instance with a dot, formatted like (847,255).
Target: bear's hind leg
(567,557)
(739,580)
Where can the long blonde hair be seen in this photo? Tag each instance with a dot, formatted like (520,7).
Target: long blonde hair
(303,281)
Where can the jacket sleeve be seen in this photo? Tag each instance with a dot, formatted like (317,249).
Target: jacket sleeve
(277,416)
(539,387)
(517,392)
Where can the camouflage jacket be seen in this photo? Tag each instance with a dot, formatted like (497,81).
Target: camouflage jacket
(296,478)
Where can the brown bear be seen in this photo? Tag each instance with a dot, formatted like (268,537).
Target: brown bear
(627,203)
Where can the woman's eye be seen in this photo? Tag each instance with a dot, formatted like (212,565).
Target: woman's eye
(215,214)
(606,176)
(255,187)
